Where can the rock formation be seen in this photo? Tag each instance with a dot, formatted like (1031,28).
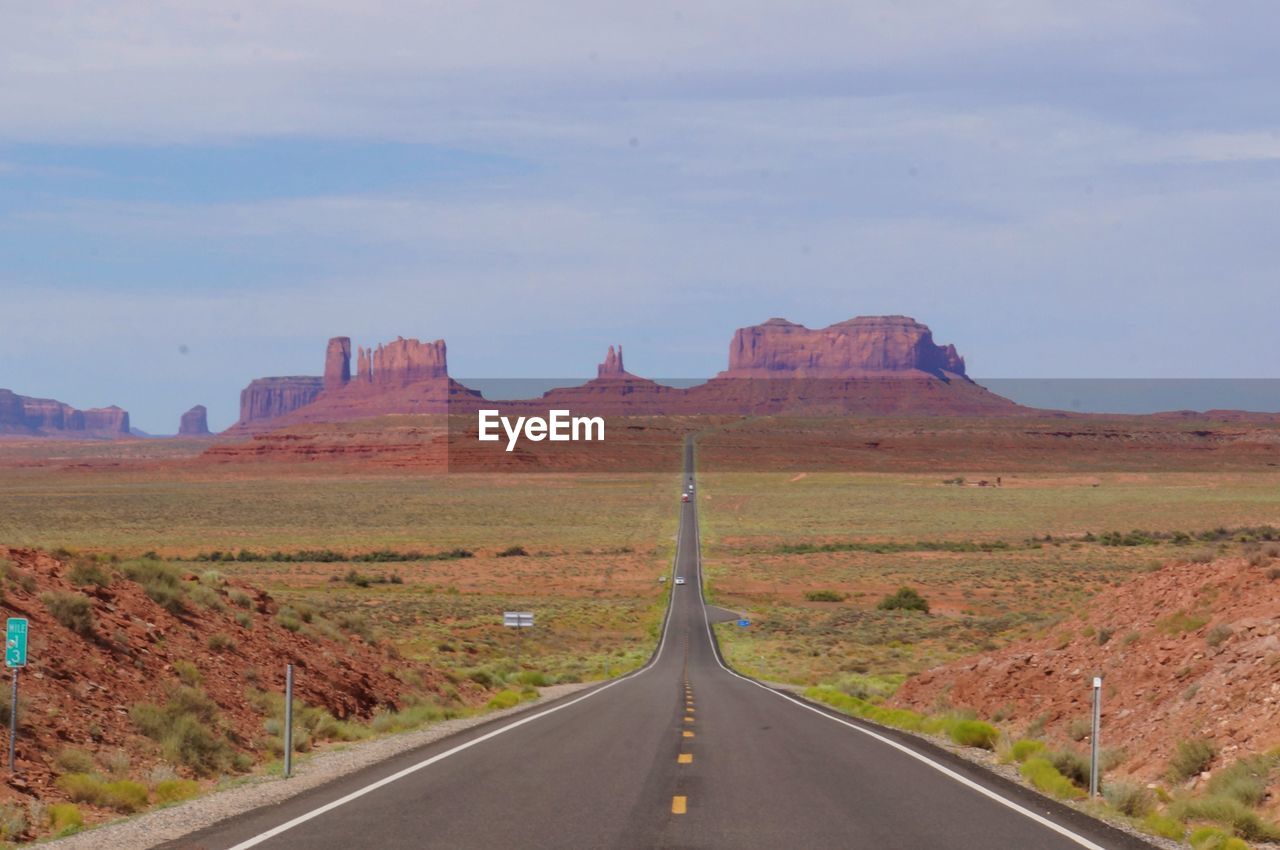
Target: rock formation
(268,398)
(194,423)
(873,365)
(45,416)
(337,363)
(612,365)
(867,345)
(407,360)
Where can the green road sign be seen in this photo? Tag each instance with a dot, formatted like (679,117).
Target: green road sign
(15,642)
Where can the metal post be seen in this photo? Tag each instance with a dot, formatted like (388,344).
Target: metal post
(1093,739)
(519,640)
(288,720)
(13,723)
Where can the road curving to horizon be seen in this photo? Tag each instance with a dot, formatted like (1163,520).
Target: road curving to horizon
(683,753)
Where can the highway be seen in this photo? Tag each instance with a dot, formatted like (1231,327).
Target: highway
(681,754)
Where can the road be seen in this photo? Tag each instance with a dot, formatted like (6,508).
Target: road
(681,754)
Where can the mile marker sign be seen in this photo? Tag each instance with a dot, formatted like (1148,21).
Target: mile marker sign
(15,642)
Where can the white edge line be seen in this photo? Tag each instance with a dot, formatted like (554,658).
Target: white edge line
(941,768)
(414,768)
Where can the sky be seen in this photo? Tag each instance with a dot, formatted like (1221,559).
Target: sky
(194,195)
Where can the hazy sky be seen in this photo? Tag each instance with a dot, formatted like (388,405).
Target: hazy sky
(1065,189)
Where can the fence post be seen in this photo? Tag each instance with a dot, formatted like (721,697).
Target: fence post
(1093,738)
(288,720)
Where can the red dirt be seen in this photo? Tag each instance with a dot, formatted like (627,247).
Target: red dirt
(1164,680)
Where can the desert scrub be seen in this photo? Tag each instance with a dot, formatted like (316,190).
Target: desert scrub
(1025,748)
(160,581)
(85,572)
(1164,826)
(188,673)
(185,727)
(974,733)
(504,699)
(73,610)
(73,760)
(64,818)
(1241,819)
(1129,799)
(176,790)
(1044,776)
(906,599)
(1244,781)
(13,822)
(220,641)
(122,795)
(825,596)
(1212,838)
(1191,757)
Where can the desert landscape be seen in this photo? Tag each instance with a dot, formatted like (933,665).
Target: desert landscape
(906,546)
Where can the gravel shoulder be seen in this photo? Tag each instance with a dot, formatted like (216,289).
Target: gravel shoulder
(155,827)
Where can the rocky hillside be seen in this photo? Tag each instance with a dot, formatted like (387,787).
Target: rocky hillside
(1187,653)
(142,670)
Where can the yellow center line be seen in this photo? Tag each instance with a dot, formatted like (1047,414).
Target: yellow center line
(679,805)
(684,758)
(688,734)
(688,720)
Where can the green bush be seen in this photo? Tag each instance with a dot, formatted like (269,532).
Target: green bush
(974,733)
(1191,757)
(1073,765)
(220,641)
(176,790)
(1025,749)
(1245,780)
(186,731)
(73,760)
(1044,776)
(13,822)
(1164,826)
(73,610)
(825,596)
(160,581)
(1243,820)
(206,596)
(1212,838)
(64,818)
(239,598)
(504,699)
(513,552)
(188,673)
(123,795)
(1131,800)
(85,572)
(906,599)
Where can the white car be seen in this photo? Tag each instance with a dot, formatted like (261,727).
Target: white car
(679,579)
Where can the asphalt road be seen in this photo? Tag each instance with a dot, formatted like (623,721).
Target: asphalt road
(681,754)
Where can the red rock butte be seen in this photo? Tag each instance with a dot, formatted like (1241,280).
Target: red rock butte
(867,345)
(875,365)
(41,417)
(194,423)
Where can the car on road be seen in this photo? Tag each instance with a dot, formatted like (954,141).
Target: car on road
(684,497)
(679,579)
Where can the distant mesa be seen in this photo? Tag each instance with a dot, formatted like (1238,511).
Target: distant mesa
(867,345)
(873,365)
(195,422)
(42,417)
(402,376)
(271,398)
